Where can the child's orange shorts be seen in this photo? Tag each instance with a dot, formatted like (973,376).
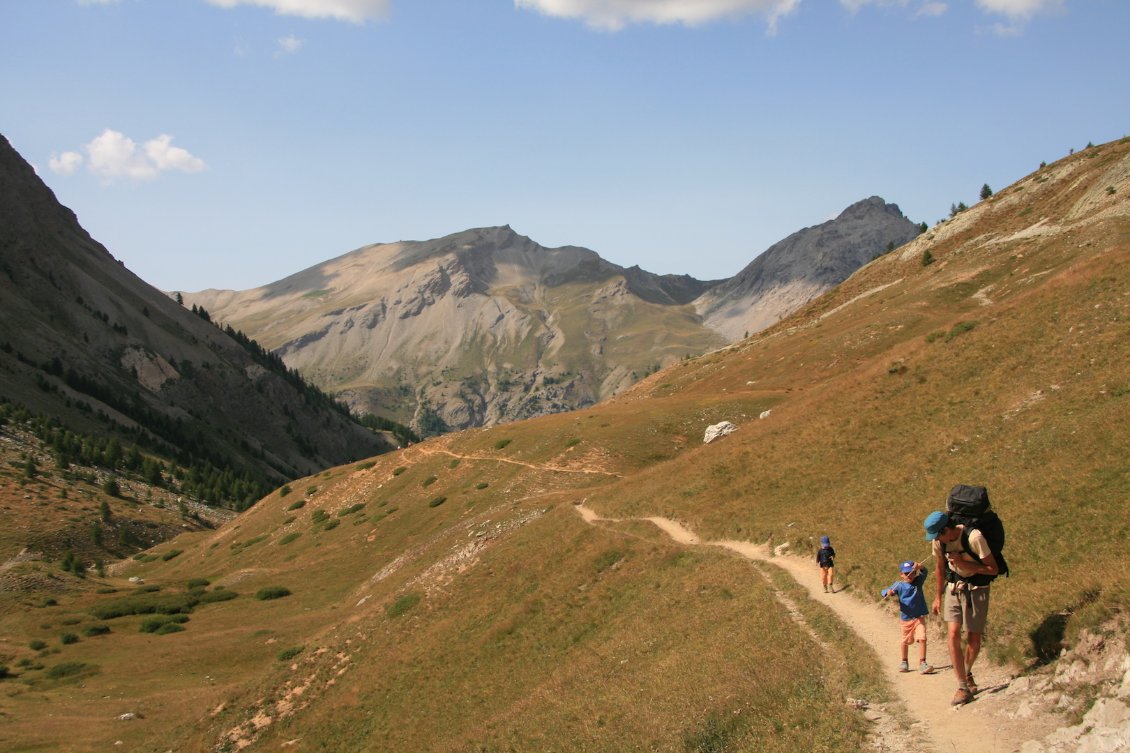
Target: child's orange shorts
(913,630)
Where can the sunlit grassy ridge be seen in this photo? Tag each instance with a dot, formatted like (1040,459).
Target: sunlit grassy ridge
(449,598)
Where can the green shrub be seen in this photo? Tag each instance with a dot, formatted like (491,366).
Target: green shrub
(147,604)
(959,329)
(428,481)
(152,588)
(195,583)
(399,470)
(332,524)
(94,630)
(169,627)
(298,505)
(437,501)
(4,673)
(69,669)
(502,443)
(573,442)
(213,597)
(68,638)
(154,624)
(364,466)
(351,509)
(285,490)
(927,258)
(454,463)
(318,516)
(289,538)
(403,604)
(272,592)
(481,485)
(290,653)
(171,554)
(37,645)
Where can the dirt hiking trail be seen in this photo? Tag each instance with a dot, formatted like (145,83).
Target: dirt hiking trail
(983,726)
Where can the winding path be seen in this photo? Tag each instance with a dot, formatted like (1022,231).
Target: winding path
(977,727)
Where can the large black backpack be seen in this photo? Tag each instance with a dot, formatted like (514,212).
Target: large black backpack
(969,506)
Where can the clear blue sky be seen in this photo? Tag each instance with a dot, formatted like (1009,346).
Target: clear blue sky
(229,143)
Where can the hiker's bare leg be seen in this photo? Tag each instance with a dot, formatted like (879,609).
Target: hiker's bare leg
(972,648)
(922,652)
(957,656)
(832,578)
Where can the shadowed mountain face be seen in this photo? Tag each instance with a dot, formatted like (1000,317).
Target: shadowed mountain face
(797,269)
(85,341)
(487,326)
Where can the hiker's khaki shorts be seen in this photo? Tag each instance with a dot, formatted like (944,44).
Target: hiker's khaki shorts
(969,606)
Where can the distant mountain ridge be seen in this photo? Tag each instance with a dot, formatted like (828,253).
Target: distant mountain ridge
(804,265)
(85,342)
(474,328)
(486,326)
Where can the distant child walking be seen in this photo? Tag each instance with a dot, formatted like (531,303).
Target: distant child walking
(912,605)
(826,559)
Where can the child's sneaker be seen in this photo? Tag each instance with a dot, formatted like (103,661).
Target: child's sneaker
(926,669)
(904,666)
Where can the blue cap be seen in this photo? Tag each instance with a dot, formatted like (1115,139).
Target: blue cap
(825,541)
(907,567)
(935,523)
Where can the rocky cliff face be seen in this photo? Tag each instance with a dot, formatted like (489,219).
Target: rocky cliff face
(472,329)
(797,269)
(85,341)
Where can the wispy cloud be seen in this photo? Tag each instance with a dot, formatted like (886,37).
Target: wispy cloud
(354,11)
(112,155)
(1018,13)
(612,15)
(289,45)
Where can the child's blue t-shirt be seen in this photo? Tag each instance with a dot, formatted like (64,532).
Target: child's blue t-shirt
(912,602)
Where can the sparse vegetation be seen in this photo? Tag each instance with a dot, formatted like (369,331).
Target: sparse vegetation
(502,444)
(436,502)
(272,592)
(290,653)
(403,604)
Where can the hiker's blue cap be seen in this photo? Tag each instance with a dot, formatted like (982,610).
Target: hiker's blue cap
(825,541)
(907,567)
(935,523)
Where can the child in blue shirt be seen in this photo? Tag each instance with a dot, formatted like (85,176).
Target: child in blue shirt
(912,605)
(826,559)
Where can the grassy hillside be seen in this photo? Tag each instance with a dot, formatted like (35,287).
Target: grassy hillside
(448,597)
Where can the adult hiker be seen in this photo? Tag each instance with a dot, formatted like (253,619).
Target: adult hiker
(964,564)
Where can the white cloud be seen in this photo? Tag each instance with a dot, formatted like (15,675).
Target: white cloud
(932,9)
(289,45)
(918,8)
(112,155)
(612,15)
(354,11)
(165,156)
(66,163)
(1020,10)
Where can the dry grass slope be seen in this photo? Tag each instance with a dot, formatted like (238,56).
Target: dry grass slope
(498,620)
